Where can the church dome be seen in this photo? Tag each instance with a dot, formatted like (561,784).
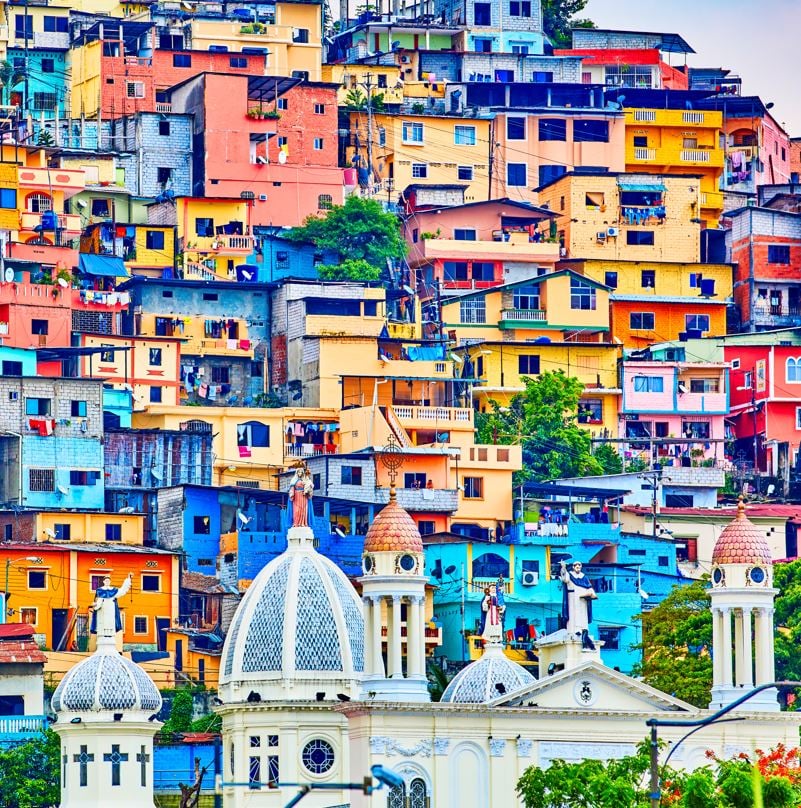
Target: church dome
(478,682)
(106,681)
(741,542)
(300,622)
(393,529)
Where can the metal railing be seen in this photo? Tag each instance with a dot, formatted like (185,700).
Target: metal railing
(525,315)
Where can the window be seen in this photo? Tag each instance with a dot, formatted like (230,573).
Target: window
(648,278)
(39,326)
(704,385)
(210,296)
(283,103)
(483,270)
(164,128)
(57,25)
(182,60)
(37,579)
(640,237)
(516,174)
(473,487)
(610,279)
(163,175)
(39,203)
(318,144)
(83,477)
(582,295)
(282,140)
(520,50)
(642,321)
(300,35)
(8,198)
(319,109)
(106,356)
(610,637)
(455,270)
(482,13)
(155,356)
(201,525)
(101,208)
(238,61)
(12,369)
(526,297)
(648,384)
(696,322)
(464,135)
(778,253)
(591,131)
(63,532)
(699,430)
(515,128)
(640,141)
(113,532)
(38,406)
(528,364)
(591,411)
(48,66)
(351,475)
(748,379)
(135,89)
(464,234)
(793,370)
(140,625)
(414,480)
(552,129)
(154,239)
(253,434)
(426,527)
(679,501)
(151,583)
(520,8)
(204,226)
(419,171)
(473,311)
(28,614)
(549,173)
(695,280)
(254,772)
(464,173)
(156,394)
(40,480)
(412,132)
(23,26)
(482,45)
(325,202)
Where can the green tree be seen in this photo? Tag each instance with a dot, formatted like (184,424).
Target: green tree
(356,100)
(358,230)
(609,458)
(787,579)
(543,419)
(29,773)
(352,269)
(180,719)
(437,681)
(558,17)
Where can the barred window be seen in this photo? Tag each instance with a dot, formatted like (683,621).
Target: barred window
(42,479)
(44,101)
(473,311)
(325,202)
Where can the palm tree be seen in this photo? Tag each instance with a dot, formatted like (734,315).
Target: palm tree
(437,681)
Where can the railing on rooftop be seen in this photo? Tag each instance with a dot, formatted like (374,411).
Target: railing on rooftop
(22,724)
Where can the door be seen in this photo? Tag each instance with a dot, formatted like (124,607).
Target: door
(179,655)
(162,624)
(60,623)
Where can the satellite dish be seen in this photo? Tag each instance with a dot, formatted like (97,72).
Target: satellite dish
(339,531)
(50,532)
(242,518)
(62,283)
(9,275)
(450,570)
(62,490)
(156,474)
(126,509)
(282,157)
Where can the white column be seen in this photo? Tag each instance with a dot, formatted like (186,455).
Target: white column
(413,628)
(717,648)
(762,649)
(738,646)
(396,665)
(368,636)
(375,626)
(725,651)
(748,659)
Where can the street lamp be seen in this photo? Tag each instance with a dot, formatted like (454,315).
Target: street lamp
(654,723)
(9,562)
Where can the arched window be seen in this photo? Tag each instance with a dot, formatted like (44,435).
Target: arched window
(793,370)
(397,797)
(490,565)
(38,203)
(418,794)
(325,202)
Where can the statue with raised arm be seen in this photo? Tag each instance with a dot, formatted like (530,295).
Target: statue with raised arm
(493,614)
(300,492)
(577,597)
(106,618)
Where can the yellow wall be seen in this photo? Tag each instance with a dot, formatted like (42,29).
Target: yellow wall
(85,79)
(9,217)
(191,661)
(149,257)
(91,527)
(352,77)
(438,151)
(676,238)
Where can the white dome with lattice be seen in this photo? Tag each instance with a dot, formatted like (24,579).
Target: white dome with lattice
(298,632)
(487,678)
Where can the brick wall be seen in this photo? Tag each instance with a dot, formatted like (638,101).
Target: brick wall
(166,74)
(170,519)
(116,75)
(20,525)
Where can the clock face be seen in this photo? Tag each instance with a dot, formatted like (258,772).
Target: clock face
(717,576)
(407,562)
(757,575)
(367,564)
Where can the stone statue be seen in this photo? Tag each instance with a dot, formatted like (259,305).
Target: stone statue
(577,598)
(493,613)
(300,492)
(106,618)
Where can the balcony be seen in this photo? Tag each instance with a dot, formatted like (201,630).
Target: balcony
(440,500)
(51,179)
(671,155)
(320,325)
(450,249)
(703,156)
(433,417)
(646,155)
(224,244)
(16,728)
(707,119)
(309,449)
(218,347)
(163,107)
(69,223)
(49,254)
(702,402)
(509,317)
(712,200)
(776,316)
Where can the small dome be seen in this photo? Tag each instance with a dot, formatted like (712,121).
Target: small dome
(476,683)
(741,542)
(106,681)
(393,529)
(299,621)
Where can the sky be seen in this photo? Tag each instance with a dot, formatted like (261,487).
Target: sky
(756,39)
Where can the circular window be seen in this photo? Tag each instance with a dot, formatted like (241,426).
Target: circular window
(318,756)
(757,575)
(367,563)
(408,562)
(717,575)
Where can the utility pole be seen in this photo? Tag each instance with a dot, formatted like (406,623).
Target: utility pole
(368,86)
(26,84)
(756,436)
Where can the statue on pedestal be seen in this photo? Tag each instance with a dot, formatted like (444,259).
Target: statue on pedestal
(300,492)
(493,613)
(106,617)
(577,597)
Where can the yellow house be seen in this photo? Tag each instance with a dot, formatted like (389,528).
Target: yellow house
(679,141)
(353,78)
(292,38)
(420,149)
(635,217)
(9,199)
(85,78)
(89,526)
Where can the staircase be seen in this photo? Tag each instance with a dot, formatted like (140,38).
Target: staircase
(395,425)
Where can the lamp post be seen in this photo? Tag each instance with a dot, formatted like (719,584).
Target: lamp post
(654,723)
(9,562)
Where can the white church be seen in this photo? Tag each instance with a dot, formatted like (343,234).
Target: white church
(308,697)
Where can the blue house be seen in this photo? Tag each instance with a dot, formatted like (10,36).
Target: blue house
(278,258)
(47,80)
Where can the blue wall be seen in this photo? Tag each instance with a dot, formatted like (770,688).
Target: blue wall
(278,258)
(26,357)
(39,81)
(174,764)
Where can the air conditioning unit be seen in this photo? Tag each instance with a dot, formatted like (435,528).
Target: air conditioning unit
(612,232)
(601,235)
(530,578)
(262,197)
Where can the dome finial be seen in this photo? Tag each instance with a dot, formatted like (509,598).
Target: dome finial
(741,507)
(392,459)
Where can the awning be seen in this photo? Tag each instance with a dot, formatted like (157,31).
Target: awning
(102,266)
(644,187)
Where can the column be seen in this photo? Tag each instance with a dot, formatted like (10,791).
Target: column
(375,626)
(368,636)
(725,650)
(763,630)
(717,648)
(396,667)
(413,629)
(738,646)
(748,663)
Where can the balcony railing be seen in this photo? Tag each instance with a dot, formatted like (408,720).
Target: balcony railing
(70,222)
(525,315)
(309,449)
(645,115)
(648,155)
(433,414)
(15,726)
(162,106)
(695,156)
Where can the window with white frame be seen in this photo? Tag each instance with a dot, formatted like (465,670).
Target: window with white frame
(464,135)
(648,384)
(464,173)
(135,89)
(794,370)
(413,132)
(696,322)
(473,310)
(419,170)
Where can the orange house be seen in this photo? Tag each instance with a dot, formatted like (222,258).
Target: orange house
(640,323)
(51,587)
